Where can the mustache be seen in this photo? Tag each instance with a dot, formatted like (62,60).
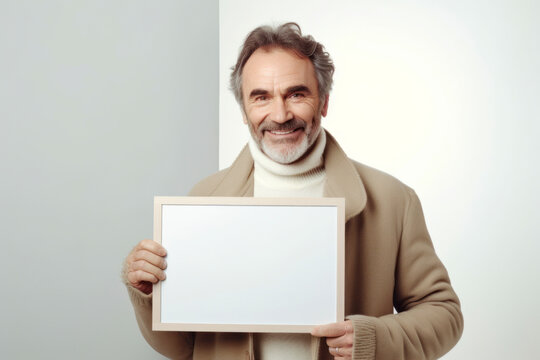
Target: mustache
(292,124)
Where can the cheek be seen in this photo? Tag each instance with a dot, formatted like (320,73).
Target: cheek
(304,111)
(255,116)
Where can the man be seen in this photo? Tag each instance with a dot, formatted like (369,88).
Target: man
(282,82)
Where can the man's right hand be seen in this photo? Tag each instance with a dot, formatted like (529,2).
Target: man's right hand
(145,264)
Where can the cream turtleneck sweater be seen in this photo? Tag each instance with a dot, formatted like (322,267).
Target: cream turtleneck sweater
(304,178)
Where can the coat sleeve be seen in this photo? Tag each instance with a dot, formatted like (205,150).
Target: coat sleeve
(172,344)
(429,320)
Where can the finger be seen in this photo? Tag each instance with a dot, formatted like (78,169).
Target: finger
(341,341)
(145,266)
(345,352)
(332,330)
(152,246)
(150,257)
(139,276)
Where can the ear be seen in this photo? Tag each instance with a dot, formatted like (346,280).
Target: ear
(324,109)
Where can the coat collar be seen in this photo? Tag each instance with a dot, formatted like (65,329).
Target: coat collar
(342,178)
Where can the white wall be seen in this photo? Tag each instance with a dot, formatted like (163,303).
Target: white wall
(103,104)
(443,95)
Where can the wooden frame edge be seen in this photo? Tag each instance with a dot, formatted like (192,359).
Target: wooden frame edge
(156,289)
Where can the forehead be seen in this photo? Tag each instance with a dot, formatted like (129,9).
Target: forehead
(277,68)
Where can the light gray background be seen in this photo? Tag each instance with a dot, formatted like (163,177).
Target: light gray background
(103,104)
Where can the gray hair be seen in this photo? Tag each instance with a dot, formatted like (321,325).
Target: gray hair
(287,36)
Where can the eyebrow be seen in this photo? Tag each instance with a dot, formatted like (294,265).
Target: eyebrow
(289,90)
(298,88)
(257,92)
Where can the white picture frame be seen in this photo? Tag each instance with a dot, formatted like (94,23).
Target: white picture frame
(246,264)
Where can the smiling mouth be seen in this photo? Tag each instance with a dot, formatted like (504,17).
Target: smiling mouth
(283,132)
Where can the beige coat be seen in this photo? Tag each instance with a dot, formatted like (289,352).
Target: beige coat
(390,262)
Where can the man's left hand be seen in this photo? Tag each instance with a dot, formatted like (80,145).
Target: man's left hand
(339,338)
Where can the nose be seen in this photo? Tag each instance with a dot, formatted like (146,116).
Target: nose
(280,111)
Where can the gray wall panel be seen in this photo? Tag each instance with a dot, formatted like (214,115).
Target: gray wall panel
(102,106)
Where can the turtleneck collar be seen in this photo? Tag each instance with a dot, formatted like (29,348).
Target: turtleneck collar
(304,178)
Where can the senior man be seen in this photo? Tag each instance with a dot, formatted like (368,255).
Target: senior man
(282,81)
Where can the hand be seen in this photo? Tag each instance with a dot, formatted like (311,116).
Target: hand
(144,265)
(339,338)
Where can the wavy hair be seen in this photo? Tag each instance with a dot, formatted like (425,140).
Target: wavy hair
(287,36)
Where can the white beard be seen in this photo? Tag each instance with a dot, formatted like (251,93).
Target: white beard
(288,155)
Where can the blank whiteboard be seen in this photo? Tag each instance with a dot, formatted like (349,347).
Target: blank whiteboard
(245,264)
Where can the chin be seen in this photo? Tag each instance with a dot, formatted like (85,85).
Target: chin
(285,154)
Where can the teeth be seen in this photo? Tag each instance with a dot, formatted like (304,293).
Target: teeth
(281,132)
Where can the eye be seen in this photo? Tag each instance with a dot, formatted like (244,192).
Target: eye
(297,95)
(261,98)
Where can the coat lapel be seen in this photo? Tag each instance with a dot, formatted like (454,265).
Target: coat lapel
(238,180)
(342,179)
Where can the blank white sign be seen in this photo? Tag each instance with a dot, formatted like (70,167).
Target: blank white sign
(250,264)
